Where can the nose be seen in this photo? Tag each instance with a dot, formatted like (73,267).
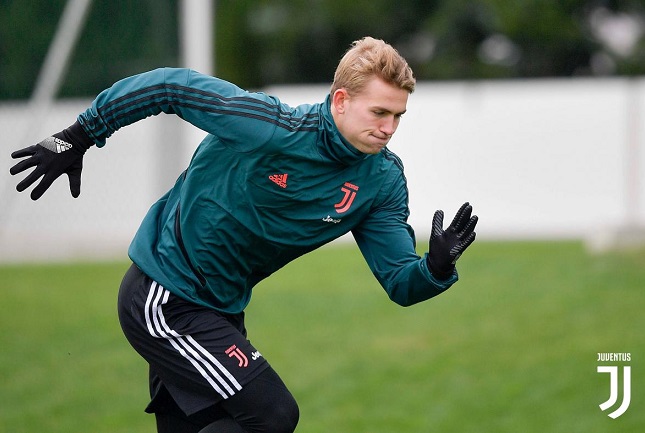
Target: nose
(389,125)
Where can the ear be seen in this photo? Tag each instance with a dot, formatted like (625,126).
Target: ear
(339,100)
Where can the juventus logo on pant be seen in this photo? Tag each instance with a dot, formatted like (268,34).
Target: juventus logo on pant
(613,389)
(233,351)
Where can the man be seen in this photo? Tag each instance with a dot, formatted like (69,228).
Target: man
(267,185)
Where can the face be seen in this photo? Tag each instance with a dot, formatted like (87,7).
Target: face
(369,119)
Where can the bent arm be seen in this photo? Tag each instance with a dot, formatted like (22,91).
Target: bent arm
(387,242)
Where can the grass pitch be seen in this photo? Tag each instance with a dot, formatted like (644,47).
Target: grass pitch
(512,347)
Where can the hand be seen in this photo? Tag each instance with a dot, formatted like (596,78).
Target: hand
(446,246)
(60,154)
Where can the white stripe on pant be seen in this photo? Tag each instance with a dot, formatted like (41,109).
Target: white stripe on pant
(207,365)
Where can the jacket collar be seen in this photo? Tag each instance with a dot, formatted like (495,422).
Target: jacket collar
(332,144)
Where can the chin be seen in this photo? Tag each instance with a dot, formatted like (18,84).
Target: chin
(370,147)
(374,150)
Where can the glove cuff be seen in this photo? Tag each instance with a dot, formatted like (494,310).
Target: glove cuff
(440,274)
(77,137)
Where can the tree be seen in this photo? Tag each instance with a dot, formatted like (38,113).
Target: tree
(120,38)
(262,42)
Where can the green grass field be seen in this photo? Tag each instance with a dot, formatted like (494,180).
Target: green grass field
(512,347)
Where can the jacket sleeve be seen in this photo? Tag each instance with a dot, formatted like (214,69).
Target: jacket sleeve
(387,242)
(211,104)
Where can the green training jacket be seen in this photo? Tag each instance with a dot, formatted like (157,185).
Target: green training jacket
(268,184)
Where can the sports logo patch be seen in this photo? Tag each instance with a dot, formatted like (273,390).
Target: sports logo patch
(233,351)
(350,191)
(279,179)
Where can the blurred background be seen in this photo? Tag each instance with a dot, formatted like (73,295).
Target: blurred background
(532,110)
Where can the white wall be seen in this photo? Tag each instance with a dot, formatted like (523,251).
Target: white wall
(537,159)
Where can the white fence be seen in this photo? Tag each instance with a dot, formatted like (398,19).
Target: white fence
(536,158)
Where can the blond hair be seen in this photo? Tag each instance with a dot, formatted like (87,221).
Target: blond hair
(370,57)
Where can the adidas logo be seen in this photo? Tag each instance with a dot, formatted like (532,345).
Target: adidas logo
(61,146)
(279,179)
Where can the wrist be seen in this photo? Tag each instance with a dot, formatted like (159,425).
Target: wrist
(440,272)
(77,137)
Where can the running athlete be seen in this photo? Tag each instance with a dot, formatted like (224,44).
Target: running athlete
(268,184)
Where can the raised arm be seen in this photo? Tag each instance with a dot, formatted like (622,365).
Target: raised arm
(213,105)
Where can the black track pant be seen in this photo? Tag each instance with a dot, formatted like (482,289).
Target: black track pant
(264,405)
(204,372)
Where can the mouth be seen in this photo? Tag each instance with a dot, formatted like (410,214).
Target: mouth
(380,137)
(382,141)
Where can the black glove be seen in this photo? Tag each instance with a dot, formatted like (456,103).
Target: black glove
(446,246)
(61,153)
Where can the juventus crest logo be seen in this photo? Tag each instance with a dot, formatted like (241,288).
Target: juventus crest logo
(349,190)
(613,389)
(235,352)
